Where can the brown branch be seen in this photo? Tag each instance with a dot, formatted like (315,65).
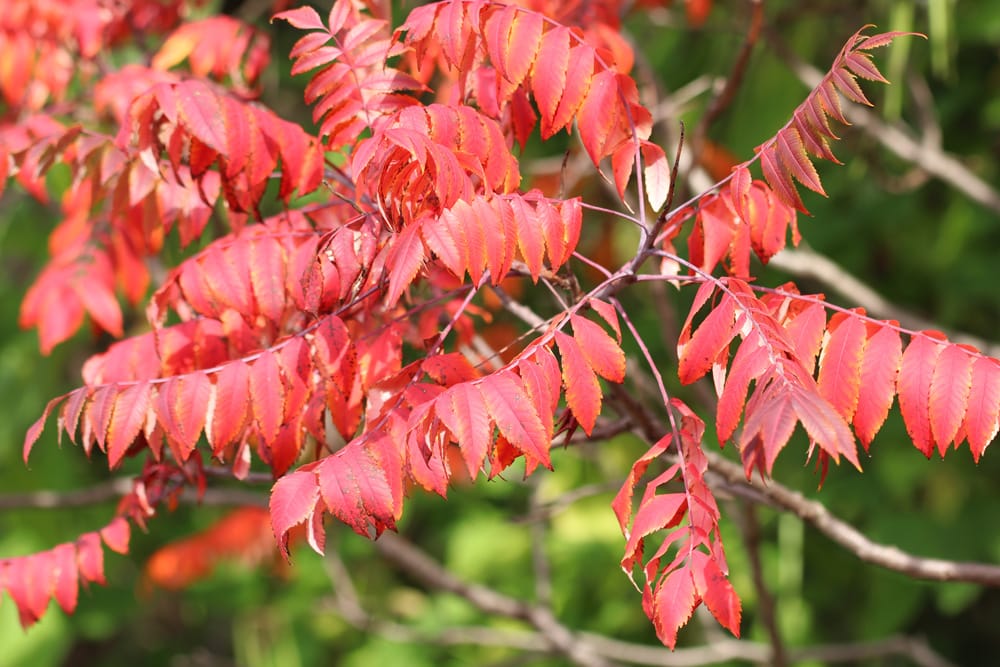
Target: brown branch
(416,563)
(114,489)
(598,649)
(807,263)
(846,535)
(750,528)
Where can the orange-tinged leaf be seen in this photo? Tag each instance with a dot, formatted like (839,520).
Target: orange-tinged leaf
(655,513)
(267,395)
(598,114)
(512,410)
(231,407)
(609,314)
(879,371)
(840,364)
(578,80)
(709,342)
(463,411)
(522,45)
(132,406)
(914,387)
(355,488)
(583,391)
(949,393)
(981,418)
(603,354)
(530,241)
(404,261)
(548,76)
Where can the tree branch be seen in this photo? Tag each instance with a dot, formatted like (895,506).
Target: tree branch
(847,536)
(807,263)
(114,489)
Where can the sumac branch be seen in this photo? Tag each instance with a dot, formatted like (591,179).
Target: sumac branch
(331,341)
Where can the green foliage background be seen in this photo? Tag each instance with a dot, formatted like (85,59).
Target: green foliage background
(928,248)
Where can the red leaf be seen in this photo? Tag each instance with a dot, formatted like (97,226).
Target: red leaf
(231,407)
(29,584)
(303,18)
(577,79)
(293,500)
(914,386)
(603,354)
(463,411)
(521,46)
(90,558)
(181,407)
(709,343)
(515,416)
(655,513)
(981,423)
(840,365)
(267,277)
(132,407)
(201,110)
(65,583)
(674,602)
(267,395)
(116,535)
(548,76)
(714,589)
(583,391)
(597,117)
(35,431)
(404,261)
(949,393)
(879,368)
(355,488)
(622,503)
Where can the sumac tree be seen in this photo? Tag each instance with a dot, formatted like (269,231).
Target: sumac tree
(337,343)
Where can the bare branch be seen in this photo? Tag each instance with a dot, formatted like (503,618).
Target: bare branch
(114,489)
(421,566)
(807,263)
(750,527)
(847,536)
